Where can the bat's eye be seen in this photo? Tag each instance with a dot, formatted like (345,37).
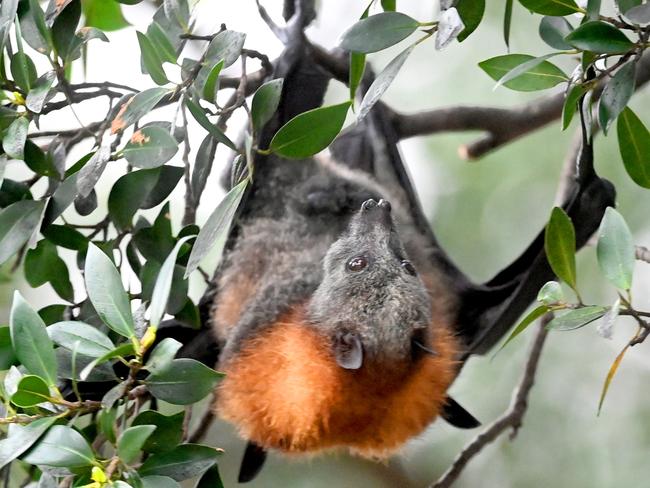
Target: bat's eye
(408,267)
(357,264)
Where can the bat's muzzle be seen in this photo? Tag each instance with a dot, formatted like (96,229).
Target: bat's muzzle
(374,213)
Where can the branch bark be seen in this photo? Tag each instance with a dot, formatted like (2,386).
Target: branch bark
(511,419)
(500,124)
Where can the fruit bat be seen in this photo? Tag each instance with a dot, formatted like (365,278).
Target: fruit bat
(338,319)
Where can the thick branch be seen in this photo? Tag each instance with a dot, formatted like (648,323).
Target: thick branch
(502,125)
(511,419)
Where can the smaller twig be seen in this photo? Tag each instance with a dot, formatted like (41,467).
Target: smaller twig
(642,254)
(187,419)
(204,426)
(189,215)
(511,418)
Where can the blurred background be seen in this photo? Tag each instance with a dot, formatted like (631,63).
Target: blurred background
(484,214)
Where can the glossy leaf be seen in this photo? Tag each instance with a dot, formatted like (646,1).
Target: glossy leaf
(571,103)
(150,147)
(541,76)
(212,83)
(38,94)
(616,95)
(525,67)
(43,265)
(551,7)
(23,71)
(523,325)
(86,339)
(599,37)
(226,46)
(450,25)
(357,69)
(106,292)
(14,140)
(634,146)
(185,461)
(88,176)
(136,107)
(18,222)
(203,165)
(104,14)
(606,325)
(129,193)
(199,115)
(161,43)
(130,442)
(471,12)
(61,447)
(32,390)
(31,343)
(21,438)
(7,355)
(615,250)
(507,21)
(378,32)
(123,350)
(553,30)
(265,102)
(550,294)
(639,14)
(560,246)
(576,318)
(156,481)
(309,132)
(168,433)
(163,354)
(151,60)
(163,286)
(184,382)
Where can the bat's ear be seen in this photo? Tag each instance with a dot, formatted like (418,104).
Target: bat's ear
(457,416)
(348,350)
(251,463)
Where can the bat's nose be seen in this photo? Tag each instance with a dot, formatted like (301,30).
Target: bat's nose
(370,204)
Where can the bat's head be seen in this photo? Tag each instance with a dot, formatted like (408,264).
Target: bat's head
(371,300)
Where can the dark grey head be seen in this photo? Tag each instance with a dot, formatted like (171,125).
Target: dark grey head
(371,301)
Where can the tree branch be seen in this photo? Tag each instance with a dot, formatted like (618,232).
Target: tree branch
(511,419)
(502,125)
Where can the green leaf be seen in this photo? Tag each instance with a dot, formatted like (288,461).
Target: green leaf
(551,7)
(634,145)
(38,94)
(593,9)
(576,318)
(106,292)
(31,343)
(357,68)
(150,147)
(21,438)
(214,233)
(211,478)
(540,77)
(131,192)
(65,27)
(151,60)
(212,83)
(382,82)
(471,12)
(122,351)
(168,178)
(43,265)
(7,355)
(61,447)
(18,222)
(616,95)
(88,176)
(136,107)
(625,5)
(309,132)
(159,482)
(14,140)
(199,115)
(82,37)
(550,294)
(104,14)
(615,250)
(378,32)
(203,165)
(560,246)
(32,390)
(72,365)
(599,37)
(265,102)
(161,42)
(163,286)
(523,325)
(130,442)
(610,376)
(23,71)
(83,338)
(177,10)
(553,30)
(168,433)
(226,46)
(525,67)
(183,382)
(389,5)
(571,104)
(507,21)
(162,355)
(639,14)
(184,462)
(606,325)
